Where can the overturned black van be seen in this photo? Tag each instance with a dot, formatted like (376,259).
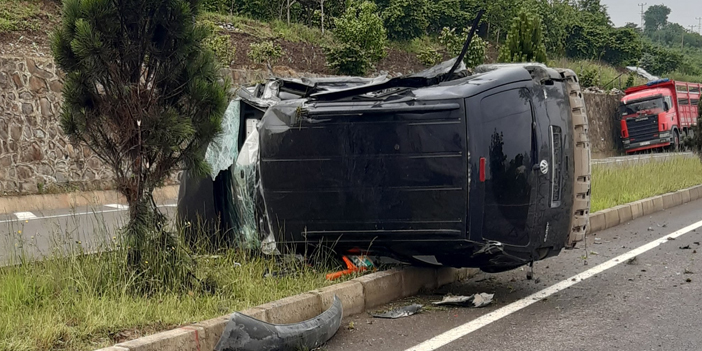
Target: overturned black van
(487,169)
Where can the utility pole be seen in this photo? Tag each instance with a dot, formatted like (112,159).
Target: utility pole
(642,15)
(699,27)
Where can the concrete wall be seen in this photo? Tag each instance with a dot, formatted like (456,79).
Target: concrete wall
(36,157)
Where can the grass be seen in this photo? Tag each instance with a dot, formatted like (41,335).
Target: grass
(293,32)
(617,185)
(78,301)
(18,15)
(601,74)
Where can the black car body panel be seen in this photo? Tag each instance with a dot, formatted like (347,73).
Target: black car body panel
(399,172)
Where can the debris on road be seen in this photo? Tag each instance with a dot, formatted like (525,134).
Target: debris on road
(476,300)
(633,261)
(399,312)
(243,333)
(686,247)
(598,241)
(688,280)
(696,243)
(670,238)
(687,271)
(650,229)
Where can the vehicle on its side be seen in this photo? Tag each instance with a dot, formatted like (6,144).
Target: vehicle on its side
(487,170)
(659,114)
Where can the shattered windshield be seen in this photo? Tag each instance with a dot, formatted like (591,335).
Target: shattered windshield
(636,107)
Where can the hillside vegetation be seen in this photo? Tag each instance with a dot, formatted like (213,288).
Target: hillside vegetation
(416,34)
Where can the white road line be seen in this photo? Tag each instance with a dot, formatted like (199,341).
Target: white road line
(22,216)
(75,214)
(465,329)
(118,206)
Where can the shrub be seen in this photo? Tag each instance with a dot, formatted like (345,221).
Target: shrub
(361,40)
(429,57)
(406,19)
(525,41)
(454,44)
(265,52)
(220,44)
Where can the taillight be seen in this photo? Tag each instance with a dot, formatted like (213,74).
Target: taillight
(481,171)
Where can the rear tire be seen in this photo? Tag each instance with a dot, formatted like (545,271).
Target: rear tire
(675,145)
(580,216)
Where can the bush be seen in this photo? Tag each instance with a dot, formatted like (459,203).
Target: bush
(630,81)
(588,78)
(220,44)
(361,37)
(265,52)
(406,19)
(429,57)
(454,44)
(525,41)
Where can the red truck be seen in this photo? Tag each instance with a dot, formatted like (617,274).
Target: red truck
(659,114)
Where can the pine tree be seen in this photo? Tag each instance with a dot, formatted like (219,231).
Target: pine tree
(525,42)
(143,94)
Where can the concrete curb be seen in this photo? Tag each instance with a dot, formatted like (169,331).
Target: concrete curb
(357,295)
(622,214)
(375,289)
(21,203)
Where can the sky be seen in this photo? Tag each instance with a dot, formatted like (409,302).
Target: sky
(683,12)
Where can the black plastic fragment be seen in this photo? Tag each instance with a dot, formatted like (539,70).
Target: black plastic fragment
(244,333)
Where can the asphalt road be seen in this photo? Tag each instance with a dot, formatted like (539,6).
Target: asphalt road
(42,233)
(650,303)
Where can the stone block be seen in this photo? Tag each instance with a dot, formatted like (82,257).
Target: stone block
(212,330)
(597,222)
(611,218)
(416,279)
(181,339)
(625,213)
(293,309)
(637,209)
(658,203)
(381,287)
(685,193)
(447,275)
(350,293)
(668,201)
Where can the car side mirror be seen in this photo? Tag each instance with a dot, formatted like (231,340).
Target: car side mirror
(666,108)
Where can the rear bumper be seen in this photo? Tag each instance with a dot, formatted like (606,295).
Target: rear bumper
(645,145)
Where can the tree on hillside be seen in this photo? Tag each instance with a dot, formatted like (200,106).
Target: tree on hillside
(142,93)
(655,18)
(406,19)
(361,39)
(525,40)
(597,11)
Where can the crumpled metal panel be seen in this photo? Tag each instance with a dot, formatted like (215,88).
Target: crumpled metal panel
(244,333)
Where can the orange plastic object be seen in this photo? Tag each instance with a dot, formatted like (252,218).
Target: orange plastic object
(351,267)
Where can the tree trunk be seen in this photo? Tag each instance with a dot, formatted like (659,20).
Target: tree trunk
(322,3)
(288,12)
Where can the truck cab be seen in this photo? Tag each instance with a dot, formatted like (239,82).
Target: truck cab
(658,115)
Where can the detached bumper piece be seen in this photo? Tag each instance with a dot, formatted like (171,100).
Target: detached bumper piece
(244,333)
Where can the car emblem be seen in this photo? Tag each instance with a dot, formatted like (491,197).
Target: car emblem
(544,167)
